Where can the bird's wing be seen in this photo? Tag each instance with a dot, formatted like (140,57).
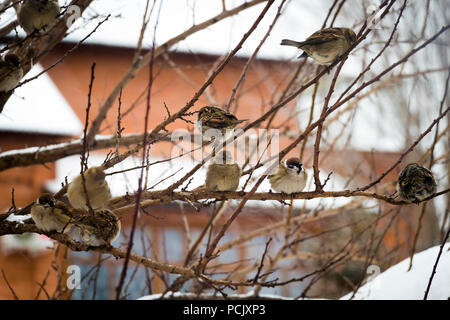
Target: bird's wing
(280,172)
(428,180)
(323,36)
(316,40)
(428,173)
(215,120)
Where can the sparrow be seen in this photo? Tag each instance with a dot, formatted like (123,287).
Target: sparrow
(211,117)
(100,228)
(97,190)
(325,45)
(290,177)
(415,183)
(51,215)
(10,72)
(223,173)
(37,14)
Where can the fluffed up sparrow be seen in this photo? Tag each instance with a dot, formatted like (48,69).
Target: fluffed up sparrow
(37,14)
(211,117)
(97,190)
(223,173)
(51,215)
(100,228)
(290,178)
(415,183)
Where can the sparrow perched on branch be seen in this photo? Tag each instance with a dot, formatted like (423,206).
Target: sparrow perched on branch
(211,117)
(223,173)
(415,183)
(100,228)
(290,178)
(325,45)
(50,215)
(10,72)
(37,14)
(97,190)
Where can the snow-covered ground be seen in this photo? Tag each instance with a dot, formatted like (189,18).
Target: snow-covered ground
(397,283)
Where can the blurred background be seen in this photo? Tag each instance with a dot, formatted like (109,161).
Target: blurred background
(360,141)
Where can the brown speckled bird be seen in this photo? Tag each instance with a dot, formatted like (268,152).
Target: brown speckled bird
(37,14)
(211,117)
(325,45)
(100,228)
(415,183)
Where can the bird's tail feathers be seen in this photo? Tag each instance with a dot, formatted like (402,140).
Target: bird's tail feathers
(287,42)
(240,121)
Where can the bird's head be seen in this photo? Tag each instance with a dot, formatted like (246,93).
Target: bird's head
(294,165)
(350,35)
(205,110)
(46,199)
(95,173)
(209,110)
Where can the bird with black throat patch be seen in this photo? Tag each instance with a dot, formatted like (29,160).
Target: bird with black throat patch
(50,214)
(290,177)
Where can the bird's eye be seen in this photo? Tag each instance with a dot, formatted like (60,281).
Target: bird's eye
(403,183)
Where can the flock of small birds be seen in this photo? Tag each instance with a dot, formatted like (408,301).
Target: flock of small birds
(88,216)
(415,182)
(89,194)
